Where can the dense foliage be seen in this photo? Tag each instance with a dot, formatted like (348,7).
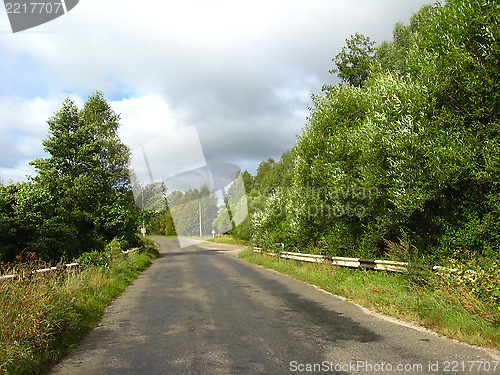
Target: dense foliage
(43,316)
(81,198)
(249,197)
(408,142)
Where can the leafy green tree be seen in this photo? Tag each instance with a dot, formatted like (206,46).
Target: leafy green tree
(223,222)
(87,173)
(85,142)
(155,214)
(9,227)
(246,199)
(412,142)
(260,182)
(209,209)
(462,41)
(280,176)
(354,60)
(30,222)
(81,198)
(159,223)
(151,197)
(247,180)
(235,210)
(401,54)
(253,202)
(187,207)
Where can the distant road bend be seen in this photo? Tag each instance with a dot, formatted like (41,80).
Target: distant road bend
(201,310)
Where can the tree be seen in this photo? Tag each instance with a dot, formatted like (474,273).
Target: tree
(235,209)
(87,173)
(415,146)
(151,196)
(247,180)
(186,210)
(260,182)
(247,196)
(85,142)
(30,222)
(354,60)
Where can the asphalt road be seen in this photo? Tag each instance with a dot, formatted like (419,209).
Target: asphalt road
(200,310)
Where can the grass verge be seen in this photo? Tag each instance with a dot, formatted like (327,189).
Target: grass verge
(450,310)
(230,240)
(43,316)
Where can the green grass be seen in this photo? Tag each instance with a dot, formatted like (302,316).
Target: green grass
(450,310)
(230,240)
(223,239)
(43,316)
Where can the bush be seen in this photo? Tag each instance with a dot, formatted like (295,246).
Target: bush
(43,315)
(93,258)
(480,276)
(414,149)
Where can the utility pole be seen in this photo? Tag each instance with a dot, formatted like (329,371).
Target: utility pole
(143,229)
(199,213)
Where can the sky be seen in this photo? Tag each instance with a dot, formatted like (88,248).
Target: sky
(236,74)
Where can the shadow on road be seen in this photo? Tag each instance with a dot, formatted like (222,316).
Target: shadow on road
(191,252)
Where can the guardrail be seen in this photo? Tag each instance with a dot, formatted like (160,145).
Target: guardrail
(132,250)
(382,265)
(379,265)
(70,267)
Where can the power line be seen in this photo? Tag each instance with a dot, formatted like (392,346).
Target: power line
(22,178)
(9,175)
(21,169)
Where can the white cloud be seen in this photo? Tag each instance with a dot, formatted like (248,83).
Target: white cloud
(144,118)
(167,155)
(240,71)
(23,125)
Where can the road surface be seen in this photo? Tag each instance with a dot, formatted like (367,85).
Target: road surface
(201,310)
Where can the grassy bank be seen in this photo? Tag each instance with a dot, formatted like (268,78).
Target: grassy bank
(230,240)
(428,300)
(43,316)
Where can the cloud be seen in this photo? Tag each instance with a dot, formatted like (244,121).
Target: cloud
(168,155)
(144,118)
(240,71)
(23,125)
